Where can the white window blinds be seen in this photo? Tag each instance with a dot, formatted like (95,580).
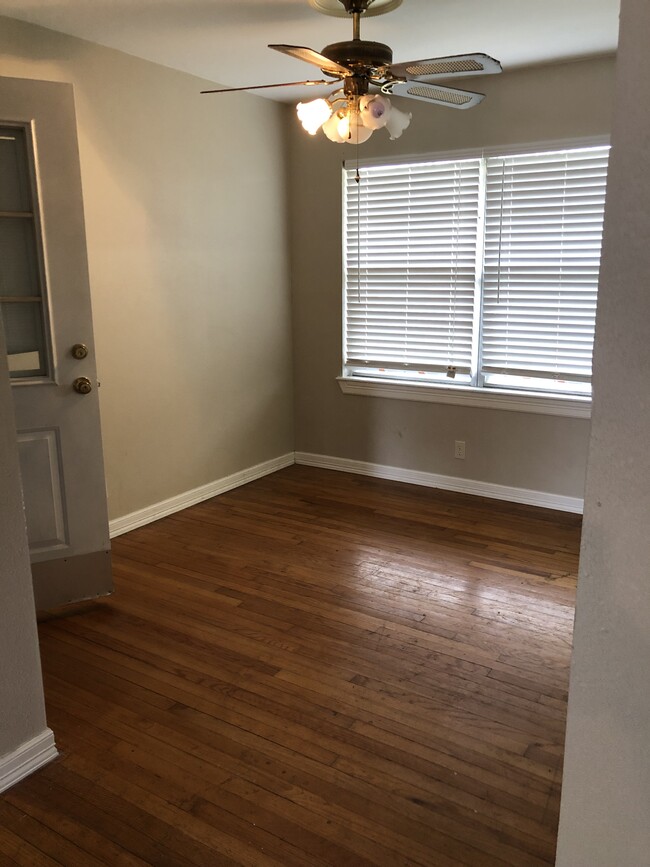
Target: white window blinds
(543,233)
(484,269)
(410,265)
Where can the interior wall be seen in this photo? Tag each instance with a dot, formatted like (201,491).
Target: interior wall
(538,452)
(606,792)
(22,709)
(185,207)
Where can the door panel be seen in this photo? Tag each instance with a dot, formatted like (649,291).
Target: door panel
(39,453)
(45,307)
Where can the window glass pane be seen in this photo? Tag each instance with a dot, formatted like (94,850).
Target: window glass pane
(18,258)
(14,173)
(543,234)
(411,234)
(23,323)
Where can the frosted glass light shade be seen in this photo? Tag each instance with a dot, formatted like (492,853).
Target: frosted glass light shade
(374,111)
(351,129)
(312,115)
(397,122)
(330,128)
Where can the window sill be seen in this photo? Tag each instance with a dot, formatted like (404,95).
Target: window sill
(514,401)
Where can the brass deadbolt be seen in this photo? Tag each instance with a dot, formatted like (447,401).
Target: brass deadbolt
(79,351)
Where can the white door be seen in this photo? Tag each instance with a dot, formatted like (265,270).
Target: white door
(45,304)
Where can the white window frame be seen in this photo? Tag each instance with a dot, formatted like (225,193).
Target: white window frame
(573,406)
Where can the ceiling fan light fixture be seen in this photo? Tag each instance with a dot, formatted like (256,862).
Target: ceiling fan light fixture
(331,128)
(397,122)
(355,121)
(314,114)
(357,133)
(374,110)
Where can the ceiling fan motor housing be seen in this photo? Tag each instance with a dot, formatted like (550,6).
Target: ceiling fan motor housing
(360,55)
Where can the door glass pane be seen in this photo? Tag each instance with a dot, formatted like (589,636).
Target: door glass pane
(23,323)
(18,257)
(14,173)
(25,320)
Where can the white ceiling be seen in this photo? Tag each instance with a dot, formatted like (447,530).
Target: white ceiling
(225,40)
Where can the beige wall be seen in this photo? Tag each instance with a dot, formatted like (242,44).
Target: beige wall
(538,452)
(606,795)
(186,224)
(22,711)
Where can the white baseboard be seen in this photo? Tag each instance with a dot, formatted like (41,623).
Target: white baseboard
(196,495)
(29,757)
(397,474)
(448,483)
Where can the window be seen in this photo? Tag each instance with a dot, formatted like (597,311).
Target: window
(475,273)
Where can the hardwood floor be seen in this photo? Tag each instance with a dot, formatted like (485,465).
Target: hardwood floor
(313,669)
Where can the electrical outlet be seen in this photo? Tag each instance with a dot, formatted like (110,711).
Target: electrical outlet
(459,449)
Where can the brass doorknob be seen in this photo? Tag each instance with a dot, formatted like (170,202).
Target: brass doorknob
(82,385)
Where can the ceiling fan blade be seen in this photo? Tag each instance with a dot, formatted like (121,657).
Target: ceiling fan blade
(311,56)
(447,67)
(436,93)
(264,86)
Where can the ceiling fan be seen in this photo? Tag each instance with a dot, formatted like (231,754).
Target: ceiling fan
(354,111)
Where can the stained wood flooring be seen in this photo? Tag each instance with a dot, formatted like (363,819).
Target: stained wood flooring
(314,669)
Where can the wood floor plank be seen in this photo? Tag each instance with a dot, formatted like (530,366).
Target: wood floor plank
(262,634)
(313,670)
(16,849)
(323,735)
